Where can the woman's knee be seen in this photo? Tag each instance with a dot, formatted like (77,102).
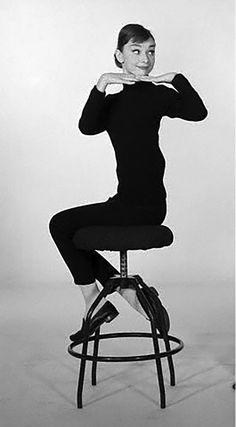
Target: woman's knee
(55,222)
(66,222)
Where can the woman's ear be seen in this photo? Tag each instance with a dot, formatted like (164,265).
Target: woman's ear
(119,56)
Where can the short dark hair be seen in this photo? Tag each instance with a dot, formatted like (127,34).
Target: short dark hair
(135,32)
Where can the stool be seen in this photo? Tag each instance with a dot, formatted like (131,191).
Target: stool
(122,239)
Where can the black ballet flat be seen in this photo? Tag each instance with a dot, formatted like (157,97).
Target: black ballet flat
(106,313)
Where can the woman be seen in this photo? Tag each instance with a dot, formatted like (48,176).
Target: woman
(132,119)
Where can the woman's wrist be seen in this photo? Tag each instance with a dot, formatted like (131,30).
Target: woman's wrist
(102,83)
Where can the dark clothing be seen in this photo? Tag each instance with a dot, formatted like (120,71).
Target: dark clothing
(86,266)
(132,119)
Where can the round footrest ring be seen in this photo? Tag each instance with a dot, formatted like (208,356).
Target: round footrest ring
(151,356)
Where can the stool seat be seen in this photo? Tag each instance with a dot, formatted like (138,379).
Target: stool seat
(121,238)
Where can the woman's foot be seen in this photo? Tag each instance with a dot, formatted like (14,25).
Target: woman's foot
(129,294)
(90,293)
(89,303)
(106,313)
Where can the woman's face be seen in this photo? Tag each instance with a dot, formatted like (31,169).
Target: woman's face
(137,58)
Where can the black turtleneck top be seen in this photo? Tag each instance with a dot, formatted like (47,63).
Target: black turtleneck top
(132,118)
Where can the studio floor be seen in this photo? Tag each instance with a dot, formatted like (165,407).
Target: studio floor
(39,377)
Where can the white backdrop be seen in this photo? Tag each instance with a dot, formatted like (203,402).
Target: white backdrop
(52,52)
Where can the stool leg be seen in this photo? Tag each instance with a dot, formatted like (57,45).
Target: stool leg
(170,360)
(168,349)
(159,368)
(148,309)
(81,376)
(95,353)
(165,338)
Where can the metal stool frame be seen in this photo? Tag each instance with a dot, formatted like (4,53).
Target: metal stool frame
(111,285)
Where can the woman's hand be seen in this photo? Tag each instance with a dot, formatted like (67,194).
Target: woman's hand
(114,78)
(163,78)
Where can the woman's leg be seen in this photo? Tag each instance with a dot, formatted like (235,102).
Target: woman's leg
(86,266)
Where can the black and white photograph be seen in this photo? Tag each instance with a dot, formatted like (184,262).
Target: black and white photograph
(117,251)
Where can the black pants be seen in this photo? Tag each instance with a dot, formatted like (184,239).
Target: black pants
(86,266)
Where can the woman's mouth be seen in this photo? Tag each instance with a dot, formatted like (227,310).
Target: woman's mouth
(142,67)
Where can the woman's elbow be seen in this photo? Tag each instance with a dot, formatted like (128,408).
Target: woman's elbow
(198,114)
(202,114)
(85,130)
(89,129)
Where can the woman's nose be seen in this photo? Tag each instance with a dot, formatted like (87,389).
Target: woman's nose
(144,58)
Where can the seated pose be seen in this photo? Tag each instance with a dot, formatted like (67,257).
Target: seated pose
(131,118)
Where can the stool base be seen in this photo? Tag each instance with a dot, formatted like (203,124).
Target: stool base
(95,358)
(137,283)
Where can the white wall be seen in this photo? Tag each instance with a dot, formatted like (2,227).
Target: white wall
(52,53)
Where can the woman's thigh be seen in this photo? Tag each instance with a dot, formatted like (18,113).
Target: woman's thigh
(106,213)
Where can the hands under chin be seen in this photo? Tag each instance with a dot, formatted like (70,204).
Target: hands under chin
(163,78)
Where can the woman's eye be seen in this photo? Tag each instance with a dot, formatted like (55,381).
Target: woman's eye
(151,52)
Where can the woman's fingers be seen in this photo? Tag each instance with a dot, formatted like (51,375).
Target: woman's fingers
(163,78)
(127,78)
(147,78)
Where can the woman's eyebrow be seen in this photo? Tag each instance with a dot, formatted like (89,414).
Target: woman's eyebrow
(138,44)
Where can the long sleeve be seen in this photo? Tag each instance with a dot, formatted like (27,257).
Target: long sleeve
(93,117)
(186,103)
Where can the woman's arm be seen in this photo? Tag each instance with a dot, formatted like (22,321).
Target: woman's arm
(186,103)
(94,115)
